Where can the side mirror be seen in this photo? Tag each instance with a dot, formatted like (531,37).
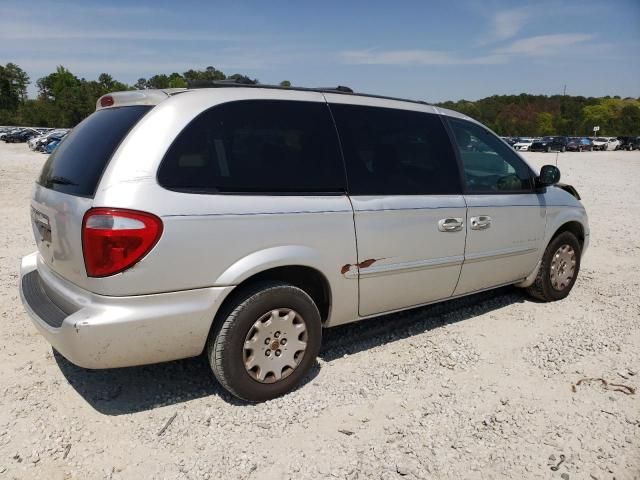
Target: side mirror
(549,175)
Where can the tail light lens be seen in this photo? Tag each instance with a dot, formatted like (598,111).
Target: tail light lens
(115,239)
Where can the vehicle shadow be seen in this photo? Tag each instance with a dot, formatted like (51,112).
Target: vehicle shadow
(356,337)
(121,391)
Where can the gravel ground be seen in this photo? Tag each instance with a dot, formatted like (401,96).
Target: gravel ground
(474,388)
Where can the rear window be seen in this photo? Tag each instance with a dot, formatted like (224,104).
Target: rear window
(257,146)
(76,165)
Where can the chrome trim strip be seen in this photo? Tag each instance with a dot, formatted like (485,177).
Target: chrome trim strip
(507,252)
(406,266)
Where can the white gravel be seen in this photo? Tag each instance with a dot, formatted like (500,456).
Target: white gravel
(477,388)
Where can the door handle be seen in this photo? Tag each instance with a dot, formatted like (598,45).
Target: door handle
(450,224)
(481,222)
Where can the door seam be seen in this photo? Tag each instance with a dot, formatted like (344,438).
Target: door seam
(466,234)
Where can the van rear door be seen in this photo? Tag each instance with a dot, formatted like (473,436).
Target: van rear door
(67,184)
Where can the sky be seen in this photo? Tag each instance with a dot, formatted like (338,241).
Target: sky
(428,50)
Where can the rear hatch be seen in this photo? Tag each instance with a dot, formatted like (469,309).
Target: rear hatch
(68,182)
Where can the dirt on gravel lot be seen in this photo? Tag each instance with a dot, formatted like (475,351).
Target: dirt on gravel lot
(476,388)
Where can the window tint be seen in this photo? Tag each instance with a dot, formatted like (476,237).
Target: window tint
(489,164)
(76,165)
(265,146)
(395,152)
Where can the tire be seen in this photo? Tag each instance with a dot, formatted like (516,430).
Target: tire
(543,287)
(226,345)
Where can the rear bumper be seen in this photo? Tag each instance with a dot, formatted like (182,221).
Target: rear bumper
(96,331)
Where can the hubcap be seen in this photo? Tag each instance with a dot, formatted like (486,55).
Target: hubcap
(275,345)
(563,267)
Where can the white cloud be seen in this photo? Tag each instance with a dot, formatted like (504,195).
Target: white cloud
(543,45)
(508,23)
(414,57)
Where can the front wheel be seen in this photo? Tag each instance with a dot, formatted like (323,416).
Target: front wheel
(266,345)
(558,270)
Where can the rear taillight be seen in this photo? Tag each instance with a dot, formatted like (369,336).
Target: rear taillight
(114,239)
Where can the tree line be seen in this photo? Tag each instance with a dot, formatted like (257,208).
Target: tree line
(63,100)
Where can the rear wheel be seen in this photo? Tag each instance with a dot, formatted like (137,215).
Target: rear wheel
(559,269)
(267,343)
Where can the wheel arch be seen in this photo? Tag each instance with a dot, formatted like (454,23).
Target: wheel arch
(296,265)
(574,227)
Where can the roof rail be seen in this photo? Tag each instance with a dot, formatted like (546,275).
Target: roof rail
(245,83)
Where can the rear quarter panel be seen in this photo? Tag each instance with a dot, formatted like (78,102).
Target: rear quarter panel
(220,240)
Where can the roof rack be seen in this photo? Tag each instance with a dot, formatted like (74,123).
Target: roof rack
(245,83)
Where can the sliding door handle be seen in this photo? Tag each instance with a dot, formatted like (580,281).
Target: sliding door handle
(481,222)
(450,224)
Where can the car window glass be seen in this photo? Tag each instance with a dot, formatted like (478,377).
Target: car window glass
(489,164)
(395,152)
(268,146)
(77,164)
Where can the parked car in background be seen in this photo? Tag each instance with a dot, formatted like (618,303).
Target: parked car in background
(612,143)
(51,146)
(628,143)
(40,143)
(510,140)
(579,144)
(600,143)
(549,143)
(159,247)
(21,135)
(523,144)
(7,131)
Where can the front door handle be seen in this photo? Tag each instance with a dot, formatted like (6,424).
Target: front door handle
(481,222)
(450,224)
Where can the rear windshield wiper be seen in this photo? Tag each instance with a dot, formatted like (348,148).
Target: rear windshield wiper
(62,181)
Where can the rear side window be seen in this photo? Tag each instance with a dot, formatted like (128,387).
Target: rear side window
(76,165)
(256,146)
(396,152)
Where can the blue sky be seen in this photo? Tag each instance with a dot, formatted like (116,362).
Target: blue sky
(428,50)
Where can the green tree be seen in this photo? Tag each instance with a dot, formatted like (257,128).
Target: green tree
(629,120)
(285,83)
(544,124)
(141,84)
(13,86)
(177,81)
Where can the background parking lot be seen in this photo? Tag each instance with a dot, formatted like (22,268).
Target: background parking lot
(473,388)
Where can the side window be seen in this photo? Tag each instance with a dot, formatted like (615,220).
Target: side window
(257,146)
(395,152)
(489,164)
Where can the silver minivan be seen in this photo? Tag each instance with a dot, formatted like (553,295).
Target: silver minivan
(241,221)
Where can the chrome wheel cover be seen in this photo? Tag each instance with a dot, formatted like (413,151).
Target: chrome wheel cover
(563,267)
(275,345)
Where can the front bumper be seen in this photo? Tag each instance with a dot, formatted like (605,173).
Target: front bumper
(96,331)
